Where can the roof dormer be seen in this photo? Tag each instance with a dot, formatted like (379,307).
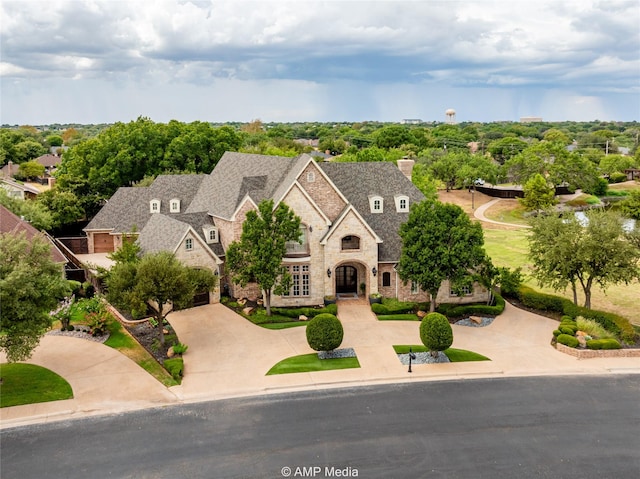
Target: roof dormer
(154,206)
(211,234)
(376,204)
(402,203)
(174,205)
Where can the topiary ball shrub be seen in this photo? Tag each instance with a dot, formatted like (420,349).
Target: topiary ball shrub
(567,340)
(556,333)
(566,330)
(324,332)
(436,333)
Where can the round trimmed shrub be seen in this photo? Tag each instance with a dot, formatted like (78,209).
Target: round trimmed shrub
(436,333)
(608,343)
(565,318)
(324,332)
(568,340)
(556,332)
(567,330)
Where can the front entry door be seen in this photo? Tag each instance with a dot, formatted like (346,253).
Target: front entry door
(346,279)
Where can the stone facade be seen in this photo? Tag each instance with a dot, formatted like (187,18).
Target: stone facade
(601,353)
(199,256)
(321,191)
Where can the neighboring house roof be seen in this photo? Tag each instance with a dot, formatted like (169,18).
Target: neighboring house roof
(358,181)
(9,170)
(11,223)
(49,161)
(11,185)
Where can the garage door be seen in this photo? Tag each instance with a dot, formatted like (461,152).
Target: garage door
(201,298)
(102,243)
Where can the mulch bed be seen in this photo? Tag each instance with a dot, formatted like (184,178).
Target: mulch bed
(148,338)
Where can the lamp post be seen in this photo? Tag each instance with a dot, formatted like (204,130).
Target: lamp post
(411,357)
(473,205)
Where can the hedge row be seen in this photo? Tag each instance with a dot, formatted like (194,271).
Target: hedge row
(547,302)
(308,312)
(397,307)
(603,344)
(464,310)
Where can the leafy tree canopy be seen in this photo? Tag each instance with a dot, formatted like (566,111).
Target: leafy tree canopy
(31,285)
(440,242)
(263,243)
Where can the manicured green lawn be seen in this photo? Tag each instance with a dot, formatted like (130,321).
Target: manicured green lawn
(306,363)
(29,384)
(454,355)
(291,324)
(398,317)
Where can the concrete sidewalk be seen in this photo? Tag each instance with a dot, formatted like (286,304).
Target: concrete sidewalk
(229,357)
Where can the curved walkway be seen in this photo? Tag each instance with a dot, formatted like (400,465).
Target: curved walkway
(102,379)
(229,357)
(480,211)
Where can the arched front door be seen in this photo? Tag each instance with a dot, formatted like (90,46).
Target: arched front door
(346,279)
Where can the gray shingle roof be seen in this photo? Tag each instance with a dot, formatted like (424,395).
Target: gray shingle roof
(161,233)
(357,181)
(119,206)
(237,175)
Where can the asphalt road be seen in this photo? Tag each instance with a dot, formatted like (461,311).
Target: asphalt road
(556,427)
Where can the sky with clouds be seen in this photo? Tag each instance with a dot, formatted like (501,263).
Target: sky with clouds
(102,61)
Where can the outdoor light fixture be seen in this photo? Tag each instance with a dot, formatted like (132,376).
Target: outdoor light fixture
(329,272)
(310,229)
(374,270)
(215,273)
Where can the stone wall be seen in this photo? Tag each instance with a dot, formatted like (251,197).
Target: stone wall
(598,353)
(199,257)
(322,192)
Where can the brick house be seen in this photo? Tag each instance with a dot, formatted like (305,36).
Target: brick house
(350,215)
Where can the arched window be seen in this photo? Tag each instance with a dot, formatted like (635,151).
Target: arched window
(154,206)
(376,203)
(174,205)
(350,242)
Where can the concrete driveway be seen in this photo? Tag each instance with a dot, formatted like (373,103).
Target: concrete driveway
(229,357)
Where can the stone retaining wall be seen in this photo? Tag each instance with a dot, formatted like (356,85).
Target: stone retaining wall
(598,353)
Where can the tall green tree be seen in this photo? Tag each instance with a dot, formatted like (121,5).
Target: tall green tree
(30,169)
(263,243)
(538,194)
(158,281)
(33,211)
(64,206)
(31,285)
(440,242)
(600,252)
(630,206)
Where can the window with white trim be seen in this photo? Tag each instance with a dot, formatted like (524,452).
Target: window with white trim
(300,280)
(210,234)
(465,290)
(376,203)
(414,287)
(402,203)
(154,206)
(188,244)
(311,177)
(174,205)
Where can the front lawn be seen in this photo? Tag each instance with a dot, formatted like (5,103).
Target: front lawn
(307,363)
(29,384)
(454,355)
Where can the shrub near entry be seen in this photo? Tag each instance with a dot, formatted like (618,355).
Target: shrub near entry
(324,332)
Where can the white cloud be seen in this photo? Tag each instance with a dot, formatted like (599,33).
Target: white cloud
(587,46)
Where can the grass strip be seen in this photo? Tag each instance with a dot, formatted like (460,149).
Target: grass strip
(29,384)
(307,363)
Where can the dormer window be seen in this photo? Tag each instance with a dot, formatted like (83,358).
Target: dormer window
(154,206)
(210,234)
(174,205)
(376,204)
(402,203)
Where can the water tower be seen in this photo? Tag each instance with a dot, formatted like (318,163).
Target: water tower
(451,116)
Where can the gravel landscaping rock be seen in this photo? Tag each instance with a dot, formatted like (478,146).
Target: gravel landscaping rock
(81,334)
(424,358)
(468,322)
(337,353)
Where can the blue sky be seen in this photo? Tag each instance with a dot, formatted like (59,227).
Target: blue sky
(101,61)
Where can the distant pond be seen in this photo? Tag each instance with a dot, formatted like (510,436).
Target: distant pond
(629,224)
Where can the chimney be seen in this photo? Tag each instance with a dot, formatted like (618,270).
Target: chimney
(406,167)
(9,165)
